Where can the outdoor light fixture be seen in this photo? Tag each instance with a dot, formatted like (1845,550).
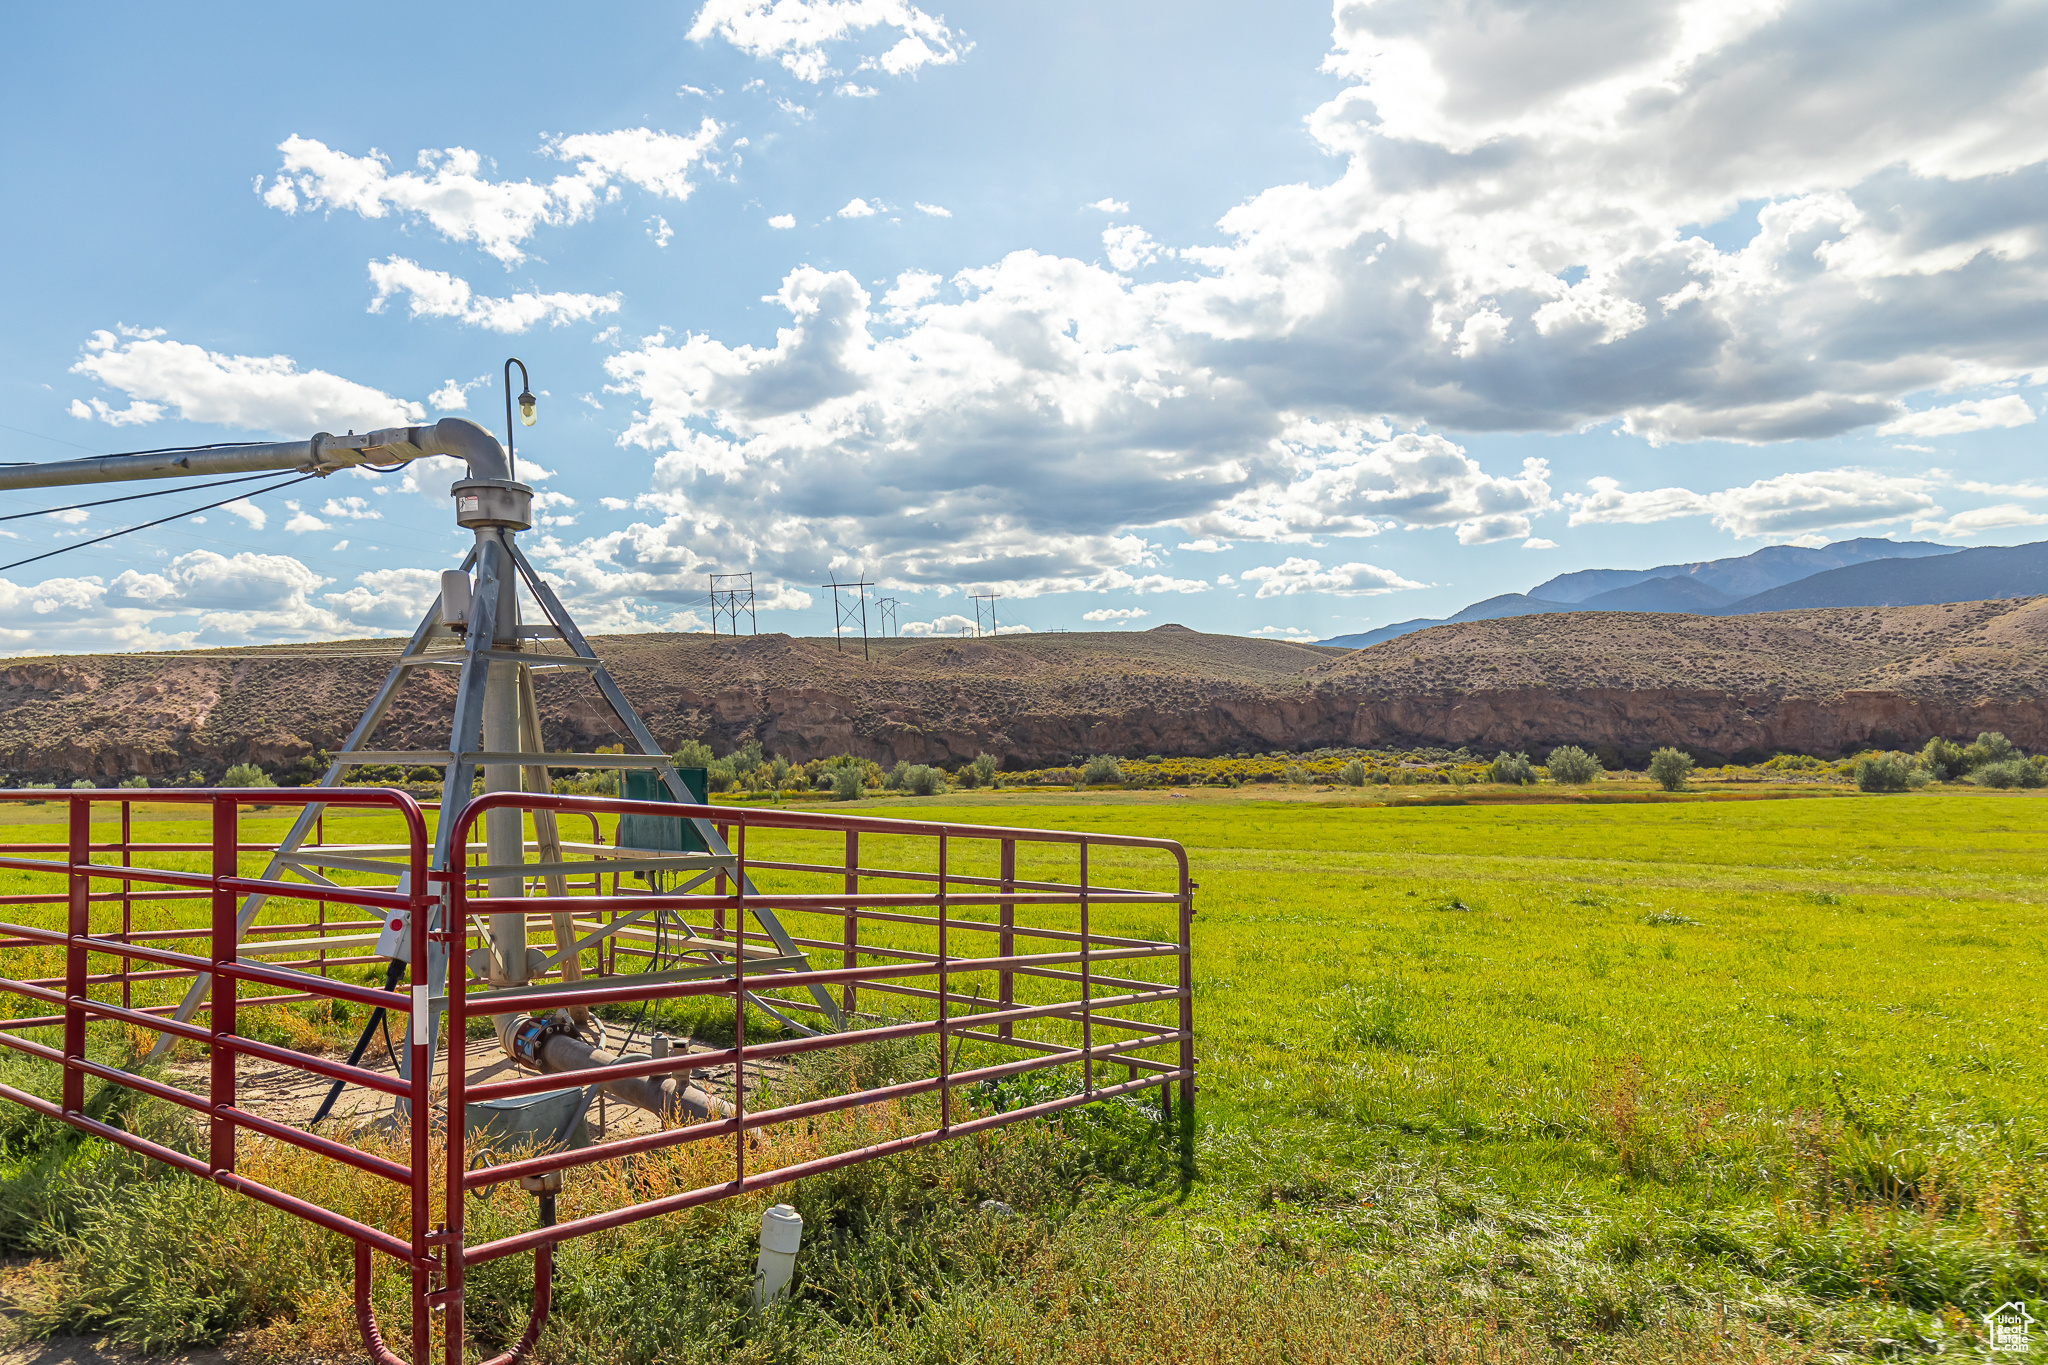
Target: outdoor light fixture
(527,416)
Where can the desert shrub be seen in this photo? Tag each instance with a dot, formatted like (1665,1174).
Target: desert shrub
(587,782)
(848,784)
(1670,767)
(195,778)
(1943,759)
(691,753)
(1353,774)
(718,775)
(137,781)
(1382,777)
(893,781)
(2013,772)
(245,775)
(1988,748)
(423,774)
(1572,765)
(1102,768)
(84,784)
(920,780)
(1514,769)
(1883,773)
(985,767)
(1294,775)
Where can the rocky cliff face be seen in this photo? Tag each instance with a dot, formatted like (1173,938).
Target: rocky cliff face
(1814,681)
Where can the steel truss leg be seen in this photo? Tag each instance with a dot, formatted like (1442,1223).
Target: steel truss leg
(558,615)
(295,838)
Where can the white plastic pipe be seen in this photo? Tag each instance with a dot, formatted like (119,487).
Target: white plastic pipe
(782,1232)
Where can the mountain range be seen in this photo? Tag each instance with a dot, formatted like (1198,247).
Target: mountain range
(1866,572)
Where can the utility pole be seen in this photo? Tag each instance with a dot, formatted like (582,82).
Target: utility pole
(737,596)
(979,598)
(850,612)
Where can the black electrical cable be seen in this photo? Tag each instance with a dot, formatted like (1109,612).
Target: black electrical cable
(392,973)
(152,493)
(158,522)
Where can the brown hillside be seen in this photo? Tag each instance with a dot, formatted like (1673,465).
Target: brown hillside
(1817,681)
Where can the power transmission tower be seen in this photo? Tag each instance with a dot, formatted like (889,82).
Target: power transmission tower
(729,601)
(845,614)
(886,609)
(979,598)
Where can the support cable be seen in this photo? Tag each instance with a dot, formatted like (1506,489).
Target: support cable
(159,521)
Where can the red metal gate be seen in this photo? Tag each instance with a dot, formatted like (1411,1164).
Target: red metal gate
(1031,903)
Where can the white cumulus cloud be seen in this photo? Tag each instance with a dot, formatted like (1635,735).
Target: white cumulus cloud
(797,32)
(437,294)
(448,191)
(1976,414)
(941,625)
(259,393)
(1979,519)
(1782,505)
(1297,575)
(859,208)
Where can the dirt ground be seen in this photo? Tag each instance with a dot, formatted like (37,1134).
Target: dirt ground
(78,1351)
(289,1095)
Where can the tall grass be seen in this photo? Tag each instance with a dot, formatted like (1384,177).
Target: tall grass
(1720,1082)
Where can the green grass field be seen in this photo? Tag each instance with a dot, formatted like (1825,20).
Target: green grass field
(1754,1079)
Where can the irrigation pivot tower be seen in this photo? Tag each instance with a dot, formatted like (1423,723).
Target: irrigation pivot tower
(475,627)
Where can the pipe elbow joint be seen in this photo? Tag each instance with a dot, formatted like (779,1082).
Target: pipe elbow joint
(468,442)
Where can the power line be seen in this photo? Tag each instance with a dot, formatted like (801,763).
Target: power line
(175,516)
(152,493)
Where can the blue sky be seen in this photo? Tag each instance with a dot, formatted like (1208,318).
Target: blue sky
(1281,319)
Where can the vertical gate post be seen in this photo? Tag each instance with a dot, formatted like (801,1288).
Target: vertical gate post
(1087,1007)
(850,995)
(419,1028)
(1186,1117)
(77,927)
(739,1009)
(453,899)
(221,988)
(945,1001)
(1006,987)
(127,902)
